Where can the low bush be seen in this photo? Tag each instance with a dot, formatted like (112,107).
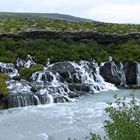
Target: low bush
(62,50)
(27,72)
(124,122)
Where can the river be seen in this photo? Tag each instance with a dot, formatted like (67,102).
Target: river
(58,121)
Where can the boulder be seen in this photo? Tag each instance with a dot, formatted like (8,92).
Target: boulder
(106,73)
(76,87)
(66,71)
(129,69)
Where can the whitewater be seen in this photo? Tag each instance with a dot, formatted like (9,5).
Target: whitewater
(59,121)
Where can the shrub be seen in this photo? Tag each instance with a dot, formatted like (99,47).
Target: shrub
(124,123)
(27,72)
(62,50)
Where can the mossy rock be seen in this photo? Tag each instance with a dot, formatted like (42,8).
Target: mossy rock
(134,86)
(33,89)
(27,72)
(3,86)
(16,78)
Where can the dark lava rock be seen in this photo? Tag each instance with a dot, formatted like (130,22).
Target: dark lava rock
(33,89)
(131,73)
(3,103)
(16,78)
(79,87)
(63,67)
(106,73)
(66,72)
(129,69)
(60,99)
(81,36)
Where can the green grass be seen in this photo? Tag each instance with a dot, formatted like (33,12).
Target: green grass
(19,22)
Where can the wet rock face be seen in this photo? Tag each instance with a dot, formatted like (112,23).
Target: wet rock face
(63,68)
(22,100)
(131,73)
(4,103)
(106,72)
(75,87)
(42,76)
(129,70)
(62,81)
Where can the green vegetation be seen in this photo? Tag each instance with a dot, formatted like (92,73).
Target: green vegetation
(18,22)
(3,86)
(124,123)
(27,72)
(61,50)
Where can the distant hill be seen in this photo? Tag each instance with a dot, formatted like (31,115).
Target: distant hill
(27,22)
(55,16)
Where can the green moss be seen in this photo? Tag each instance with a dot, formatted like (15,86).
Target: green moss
(3,86)
(134,86)
(27,72)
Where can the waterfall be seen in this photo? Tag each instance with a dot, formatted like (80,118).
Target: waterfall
(58,82)
(93,78)
(8,68)
(138,74)
(26,64)
(119,72)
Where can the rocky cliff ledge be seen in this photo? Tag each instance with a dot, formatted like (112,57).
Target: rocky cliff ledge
(83,36)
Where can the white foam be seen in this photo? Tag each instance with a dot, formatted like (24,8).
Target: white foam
(8,68)
(138,73)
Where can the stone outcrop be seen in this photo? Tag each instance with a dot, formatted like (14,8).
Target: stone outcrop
(131,77)
(106,73)
(83,36)
(114,75)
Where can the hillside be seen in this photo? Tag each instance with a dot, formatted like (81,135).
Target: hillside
(26,22)
(46,36)
(34,16)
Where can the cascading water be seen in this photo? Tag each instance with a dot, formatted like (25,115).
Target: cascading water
(26,64)
(8,68)
(138,74)
(58,82)
(119,72)
(93,78)
(53,87)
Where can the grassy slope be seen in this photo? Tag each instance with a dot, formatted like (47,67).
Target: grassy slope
(42,16)
(60,50)
(15,22)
